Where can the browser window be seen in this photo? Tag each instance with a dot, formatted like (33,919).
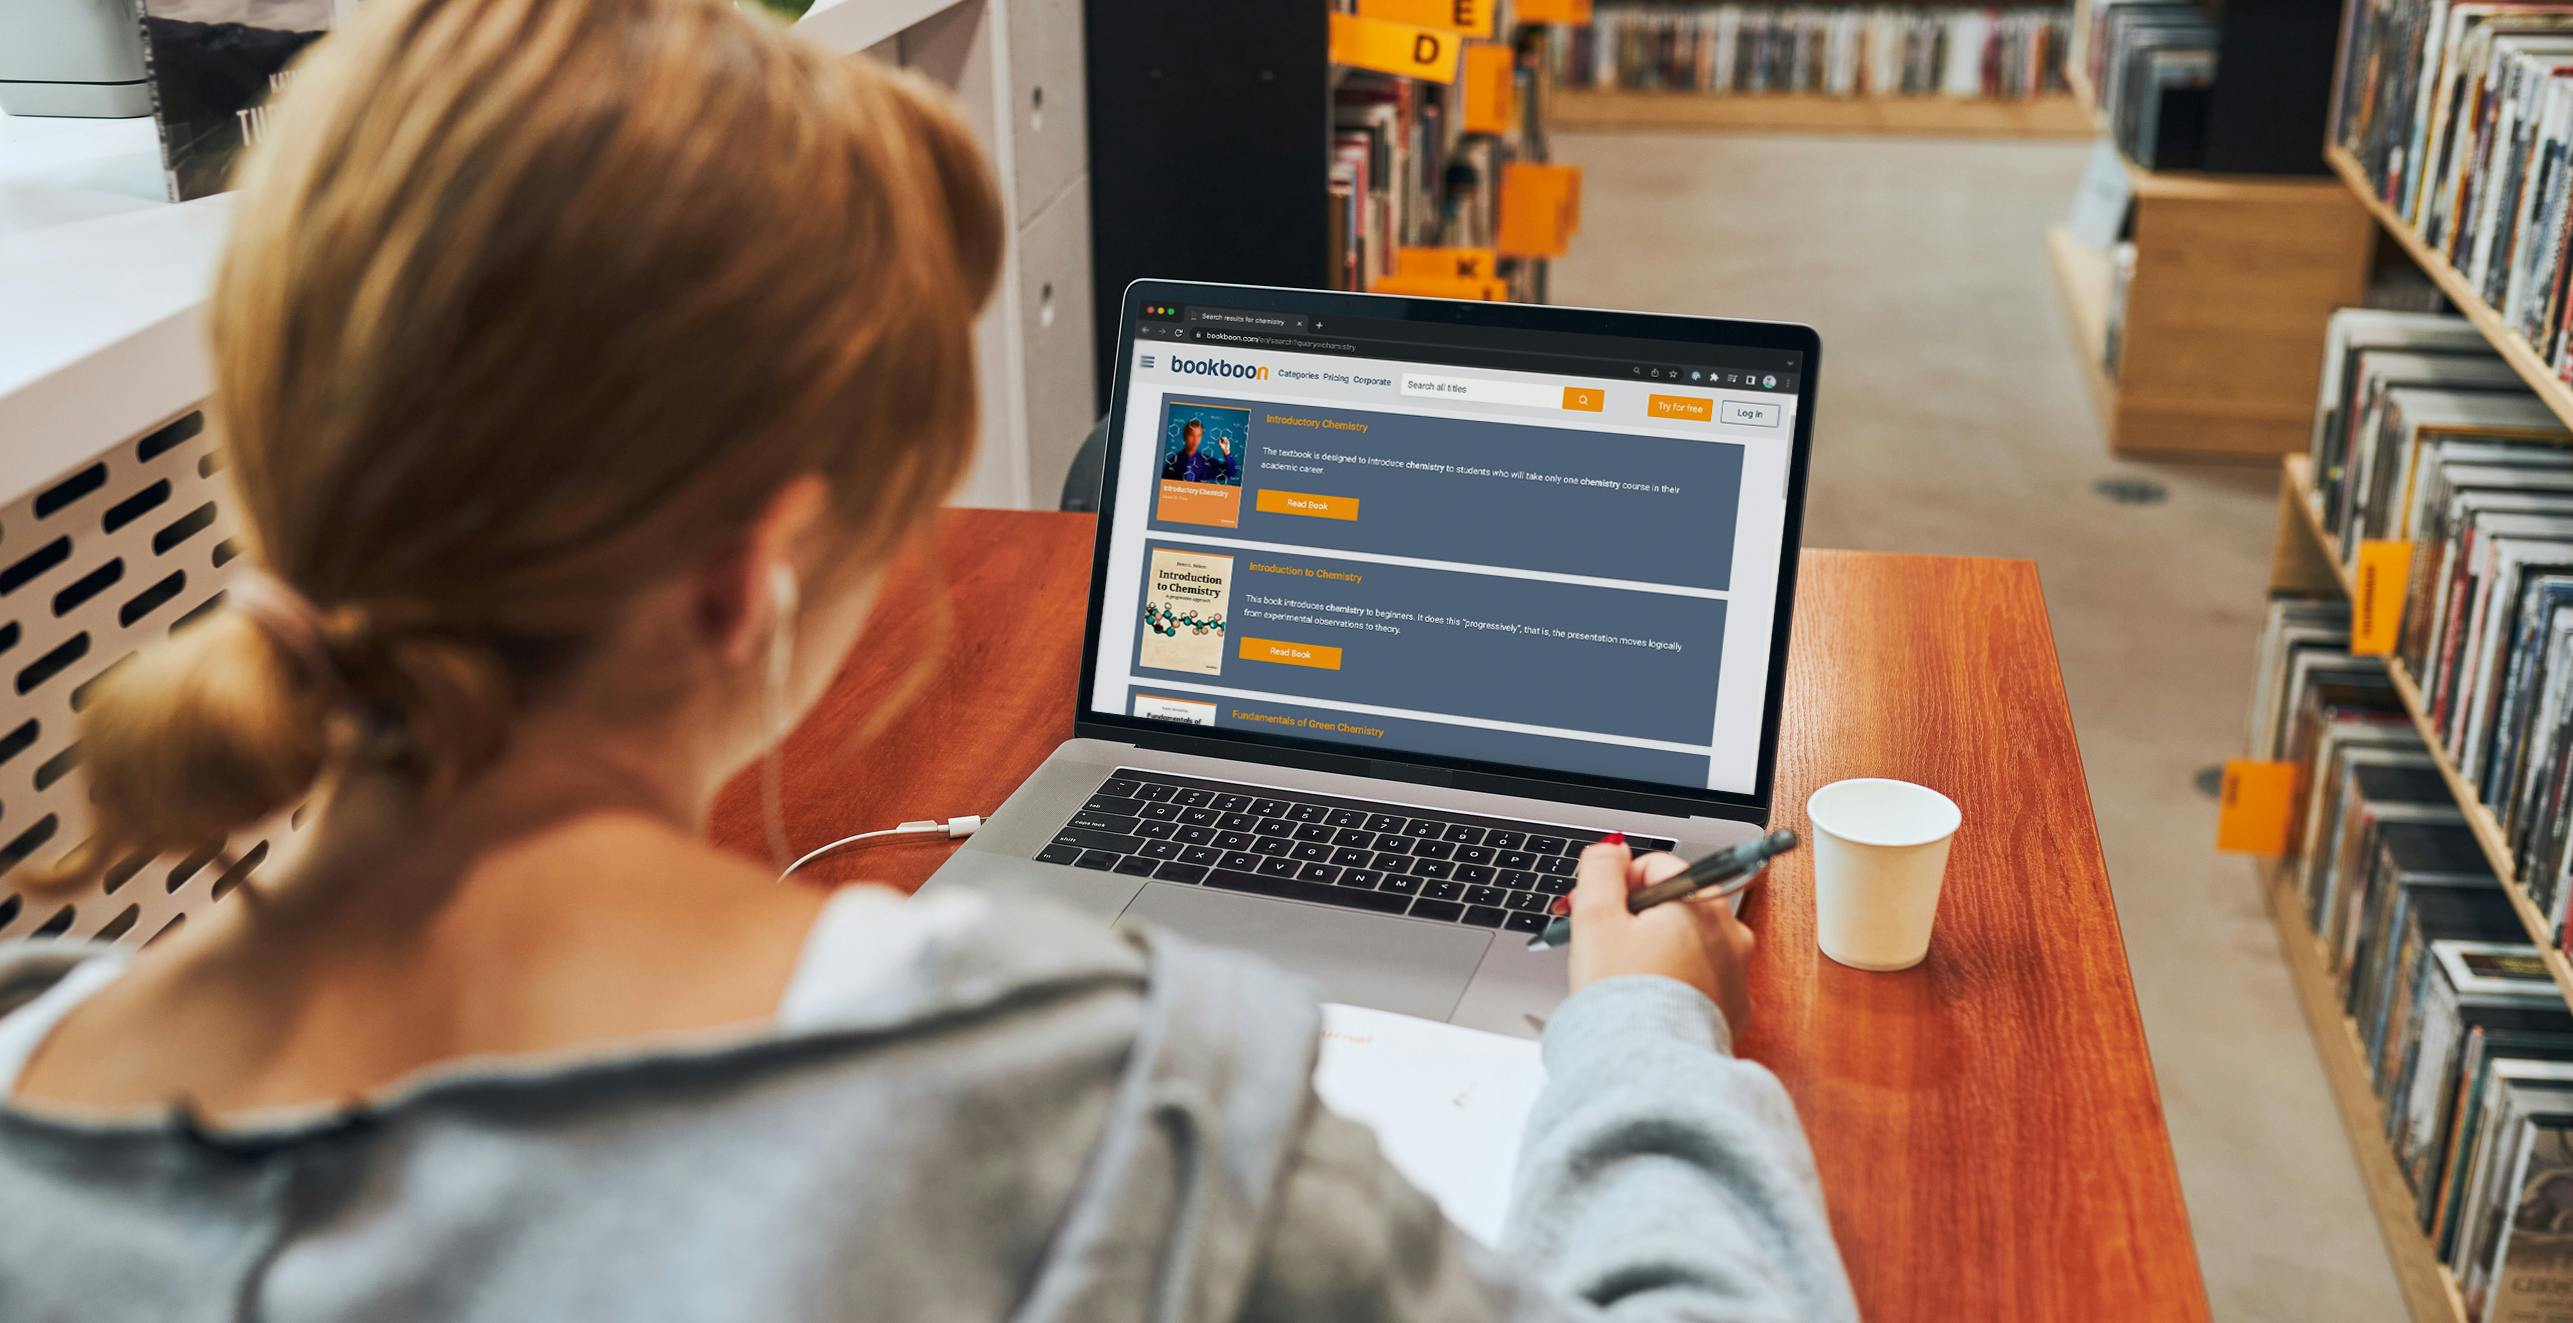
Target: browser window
(1546,550)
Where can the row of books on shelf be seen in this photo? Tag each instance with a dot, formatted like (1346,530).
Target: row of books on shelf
(1404,174)
(2461,117)
(2466,1037)
(2150,66)
(1842,50)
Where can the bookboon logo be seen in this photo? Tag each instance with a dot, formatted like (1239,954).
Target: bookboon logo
(1216,367)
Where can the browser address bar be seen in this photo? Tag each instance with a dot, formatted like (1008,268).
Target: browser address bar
(1483,390)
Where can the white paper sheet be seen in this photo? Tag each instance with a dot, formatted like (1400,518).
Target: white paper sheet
(1447,1104)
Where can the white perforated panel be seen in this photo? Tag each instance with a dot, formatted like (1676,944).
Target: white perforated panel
(102,560)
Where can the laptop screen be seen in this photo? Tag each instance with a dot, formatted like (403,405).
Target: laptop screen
(1484,545)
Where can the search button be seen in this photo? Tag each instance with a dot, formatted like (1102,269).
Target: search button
(1746,414)
(1587,399)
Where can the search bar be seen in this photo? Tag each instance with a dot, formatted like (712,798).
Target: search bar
(1483,390)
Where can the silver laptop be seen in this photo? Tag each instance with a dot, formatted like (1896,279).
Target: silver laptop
(1399,603)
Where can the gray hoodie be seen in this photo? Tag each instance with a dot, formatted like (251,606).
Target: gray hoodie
(1018,1115)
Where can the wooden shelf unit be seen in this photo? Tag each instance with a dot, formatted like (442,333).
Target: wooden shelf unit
(2428,1288)
(2325,570)
(2221,346)
(2052,116)
(2506,341)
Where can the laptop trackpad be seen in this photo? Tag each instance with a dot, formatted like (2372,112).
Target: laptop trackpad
(1406,965)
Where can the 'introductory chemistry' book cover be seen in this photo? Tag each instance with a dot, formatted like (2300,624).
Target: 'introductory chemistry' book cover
(1186,594)
(214,64)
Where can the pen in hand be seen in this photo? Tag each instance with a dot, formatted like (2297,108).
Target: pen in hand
(1718,875)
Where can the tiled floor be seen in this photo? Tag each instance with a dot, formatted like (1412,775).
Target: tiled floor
(1953,419)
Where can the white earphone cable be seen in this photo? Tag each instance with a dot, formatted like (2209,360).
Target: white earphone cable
(953,829)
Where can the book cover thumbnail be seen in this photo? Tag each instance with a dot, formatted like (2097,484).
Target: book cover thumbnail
(1186,595)
(1199,464)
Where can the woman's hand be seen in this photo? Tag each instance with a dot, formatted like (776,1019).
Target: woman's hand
(1699,943)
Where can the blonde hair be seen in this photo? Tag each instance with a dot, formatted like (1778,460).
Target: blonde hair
(529,304)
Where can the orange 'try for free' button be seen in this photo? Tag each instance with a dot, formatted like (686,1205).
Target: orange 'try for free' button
(1315,655)
(1694,408)
(1587,399)
(1273,501)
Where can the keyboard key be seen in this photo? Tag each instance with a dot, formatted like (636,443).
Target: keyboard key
(1432,868)
(1098,840)
(1445,911)
(1275,827)
(1156,831)
(1241,840)
(1153,793)
(1526,923)
(1306,812)
(1504,840)
(1546,845)
(1193,797)
(1360,877)
(1520,878)
(1353,838)
(1271,845)
(1393,843)
(1344,818)
(1474,854)
(1443,890)
(1484,916)
(1242,860)
(1118,786)
(1555,886)
(1422,829)
(1137,866)
(1058,854)
(1160,812)
(1121,823)
(1348,858)
(1200,855)
(1113,804)
(1268,808)
(1289,889)
(1398,884)
(1318,873)
(1194,835)
(1200,817)
(1160,850)
(1555,865)
(1384,822)
(1313,831)
(1474,873)
(1475,895)
(1231,803)
(1311,852)
(1394,863)
(1279,867)
(1528,900)
(1241,822)
(1460,834)
(1433,849)
(1100,859)
(1180,873)
(1519,859)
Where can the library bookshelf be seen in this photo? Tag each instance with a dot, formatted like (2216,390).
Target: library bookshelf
(2307,560)
(2051,116)
(2505,340)
(2220,344)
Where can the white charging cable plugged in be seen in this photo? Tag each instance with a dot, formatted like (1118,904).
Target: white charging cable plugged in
(954,829)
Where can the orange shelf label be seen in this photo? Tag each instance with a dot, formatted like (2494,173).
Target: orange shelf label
(1471,17)
(2376,599)
(1441,287)
(1446,263)
(2254,806)
(1554,11)
(1406,50)
(1491,88)
(1540,208)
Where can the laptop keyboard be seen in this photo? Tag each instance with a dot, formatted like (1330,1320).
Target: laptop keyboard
(1327,850)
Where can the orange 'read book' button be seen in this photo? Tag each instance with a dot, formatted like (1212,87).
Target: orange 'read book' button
(1314,655)
(1273,501)
(1695,408)
(1588,399)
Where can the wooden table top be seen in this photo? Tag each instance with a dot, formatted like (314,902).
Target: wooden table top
(1987,1127)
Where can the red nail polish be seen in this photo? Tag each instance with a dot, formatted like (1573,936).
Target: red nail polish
(1561,907)
(1613,838)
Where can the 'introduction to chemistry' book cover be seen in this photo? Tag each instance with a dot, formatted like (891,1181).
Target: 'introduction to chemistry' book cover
(1185,597)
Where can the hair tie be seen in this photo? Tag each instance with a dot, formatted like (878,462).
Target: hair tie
(294,624)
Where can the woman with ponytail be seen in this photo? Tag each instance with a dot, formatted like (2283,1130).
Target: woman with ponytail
(579,365)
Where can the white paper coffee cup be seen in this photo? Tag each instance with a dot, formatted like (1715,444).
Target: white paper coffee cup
(1880,849)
